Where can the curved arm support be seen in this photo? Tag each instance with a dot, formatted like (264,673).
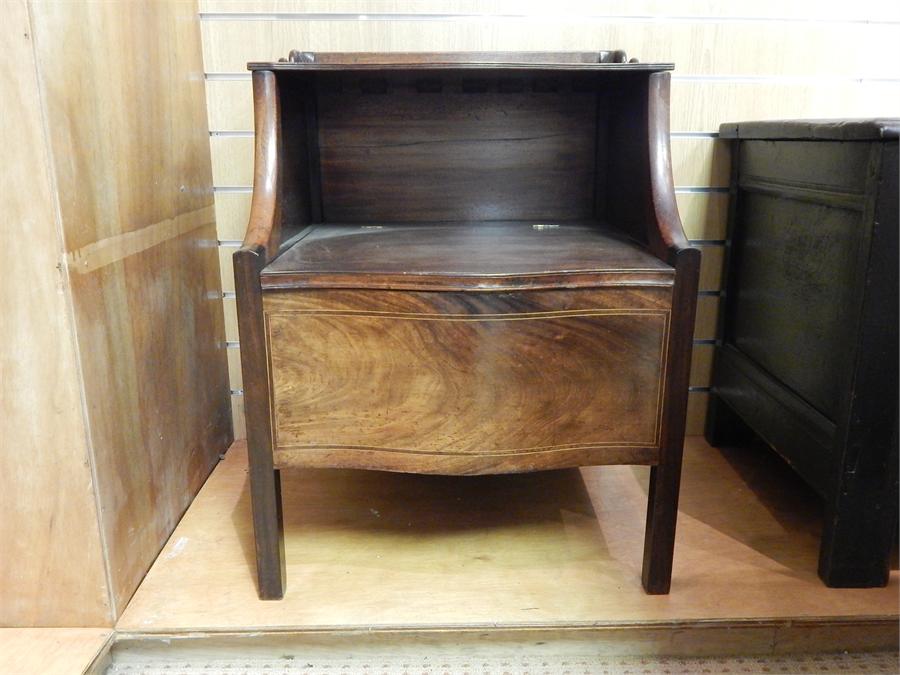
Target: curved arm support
(669,237)
(264,228)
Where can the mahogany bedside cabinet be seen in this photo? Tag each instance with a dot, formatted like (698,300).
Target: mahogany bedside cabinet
(464,263)
(808,358)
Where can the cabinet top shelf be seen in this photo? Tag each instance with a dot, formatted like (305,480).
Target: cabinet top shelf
(612,60)
(447,256)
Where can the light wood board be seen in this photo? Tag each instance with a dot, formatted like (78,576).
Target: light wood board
(126,127)
(50,651)
(735,9)
(51,562)
(377,550)
(868,50)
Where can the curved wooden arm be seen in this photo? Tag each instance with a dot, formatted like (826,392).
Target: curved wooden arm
(264,228)
(669,238)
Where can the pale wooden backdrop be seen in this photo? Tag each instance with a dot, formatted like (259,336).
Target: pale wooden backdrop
(734,60)
(114,400)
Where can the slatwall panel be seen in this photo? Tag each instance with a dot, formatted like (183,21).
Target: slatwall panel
(746,59)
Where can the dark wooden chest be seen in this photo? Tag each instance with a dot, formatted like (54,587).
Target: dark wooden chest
(808,355)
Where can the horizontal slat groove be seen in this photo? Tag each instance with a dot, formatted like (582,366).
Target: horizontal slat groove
(534,16)
(674,134)
(699,190)
(725,79)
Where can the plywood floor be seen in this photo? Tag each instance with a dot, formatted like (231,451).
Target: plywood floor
(50,651)
(563,548)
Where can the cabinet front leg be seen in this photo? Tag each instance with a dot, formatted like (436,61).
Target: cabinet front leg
(665,477)
(265,480)
(659,538)
(268,529)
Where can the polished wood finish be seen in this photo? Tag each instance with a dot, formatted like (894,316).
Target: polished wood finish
(384,380)
(815,371)
(460,60)
(267,518)
(470,255)
(519,155)
(489,274)
(670,243)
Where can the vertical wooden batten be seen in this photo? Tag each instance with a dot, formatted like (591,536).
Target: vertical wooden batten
(124,153)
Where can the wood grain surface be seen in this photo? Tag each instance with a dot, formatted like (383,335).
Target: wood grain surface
(496,156)
(51,559)
(51,651)
(466,383)
(465,255)
(696,162)
(734,48)
(128,141)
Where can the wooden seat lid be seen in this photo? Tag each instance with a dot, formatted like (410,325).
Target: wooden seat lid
(447,256)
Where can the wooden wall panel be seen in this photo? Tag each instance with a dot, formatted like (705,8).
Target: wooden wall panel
(748,59)
(126,124)
(744,49)
(703,214)
(672,9)
(52,571)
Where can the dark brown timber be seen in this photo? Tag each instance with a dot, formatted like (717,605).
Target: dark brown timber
(464,264)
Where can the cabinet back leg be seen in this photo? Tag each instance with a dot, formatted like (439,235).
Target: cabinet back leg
(268,530)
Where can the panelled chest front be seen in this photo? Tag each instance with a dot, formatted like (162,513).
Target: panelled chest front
(808,358)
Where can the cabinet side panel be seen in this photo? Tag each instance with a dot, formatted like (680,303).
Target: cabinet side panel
(51,563)
(793,311)
(129,140)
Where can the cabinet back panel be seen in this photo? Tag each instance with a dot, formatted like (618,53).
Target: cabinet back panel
(428,151)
